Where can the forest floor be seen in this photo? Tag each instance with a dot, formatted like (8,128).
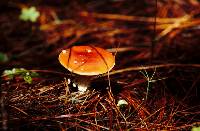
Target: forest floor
(153,86)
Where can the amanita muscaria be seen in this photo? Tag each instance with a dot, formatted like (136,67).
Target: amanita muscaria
(86,61)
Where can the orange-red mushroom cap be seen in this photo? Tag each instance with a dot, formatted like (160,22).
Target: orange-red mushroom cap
(87,60)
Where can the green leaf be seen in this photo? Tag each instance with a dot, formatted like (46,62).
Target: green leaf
(8,73)
(28,79)
(3,57)
(34,74)
(196,128)
(29,14)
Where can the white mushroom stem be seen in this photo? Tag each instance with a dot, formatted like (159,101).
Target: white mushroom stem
(83,82)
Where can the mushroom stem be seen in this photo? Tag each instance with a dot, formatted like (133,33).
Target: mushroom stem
(82,82)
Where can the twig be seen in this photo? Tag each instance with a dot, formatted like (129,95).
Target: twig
(137,68)
(127,18)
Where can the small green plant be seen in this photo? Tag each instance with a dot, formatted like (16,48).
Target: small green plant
(122,102)
(25,74)
(3,57)
(29,14)
(150,79)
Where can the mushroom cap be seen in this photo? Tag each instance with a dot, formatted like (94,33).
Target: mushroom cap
(87,60)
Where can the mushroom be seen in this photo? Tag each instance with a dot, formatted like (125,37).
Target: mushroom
(86,62)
